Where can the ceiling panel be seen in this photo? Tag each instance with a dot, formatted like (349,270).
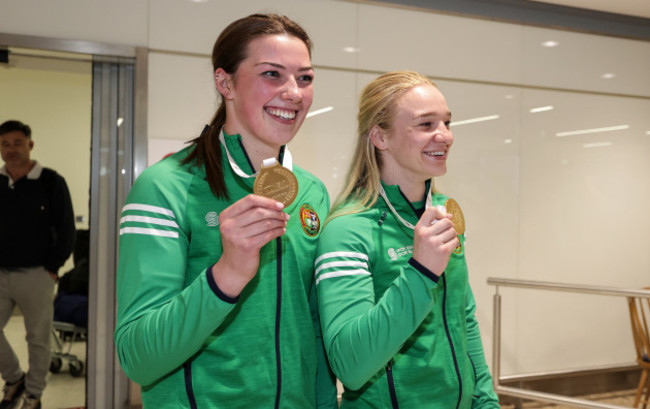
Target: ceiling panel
(638,8)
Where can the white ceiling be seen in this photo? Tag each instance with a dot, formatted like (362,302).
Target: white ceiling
(638,8)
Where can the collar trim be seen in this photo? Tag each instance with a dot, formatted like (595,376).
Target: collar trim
(33,174)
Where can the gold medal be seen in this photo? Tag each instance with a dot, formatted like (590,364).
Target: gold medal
(276,182)
(457,215)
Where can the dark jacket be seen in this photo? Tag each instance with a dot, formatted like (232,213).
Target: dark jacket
(36,221)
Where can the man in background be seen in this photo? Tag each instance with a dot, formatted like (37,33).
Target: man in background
(36,237)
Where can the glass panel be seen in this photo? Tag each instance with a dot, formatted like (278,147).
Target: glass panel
(111,178)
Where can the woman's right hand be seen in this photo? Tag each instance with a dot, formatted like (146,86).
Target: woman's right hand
(434,240)
(246,226)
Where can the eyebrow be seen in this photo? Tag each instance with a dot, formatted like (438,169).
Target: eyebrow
(276,65)
(434,114)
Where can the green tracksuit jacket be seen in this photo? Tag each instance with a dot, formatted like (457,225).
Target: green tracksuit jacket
(396,335)
(188,344)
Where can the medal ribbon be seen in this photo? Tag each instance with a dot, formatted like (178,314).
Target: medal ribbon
(428,204)
(287,159)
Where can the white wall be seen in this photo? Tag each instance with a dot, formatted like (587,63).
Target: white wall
(538,206)
(54,99)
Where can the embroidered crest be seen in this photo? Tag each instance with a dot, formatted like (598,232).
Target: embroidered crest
(309,220)
(212,219)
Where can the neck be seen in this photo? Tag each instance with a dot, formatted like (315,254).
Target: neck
(414,193)
(412,188)
(19,171)
(257,152)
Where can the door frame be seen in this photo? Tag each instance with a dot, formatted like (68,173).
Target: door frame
(106,386)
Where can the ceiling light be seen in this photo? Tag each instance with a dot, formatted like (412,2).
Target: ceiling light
(319,111)
(550,44)
(473,120)
(608,76)
(351,50)
(120,121)
(595,130)
(541,109)
(507,141)
(647,132)
(596,145)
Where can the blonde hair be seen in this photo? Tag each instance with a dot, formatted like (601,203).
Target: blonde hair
(377,106)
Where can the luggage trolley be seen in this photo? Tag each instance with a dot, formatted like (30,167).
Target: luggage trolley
(71,309)
(71,333)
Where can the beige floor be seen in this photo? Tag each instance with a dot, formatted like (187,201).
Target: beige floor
(63,391)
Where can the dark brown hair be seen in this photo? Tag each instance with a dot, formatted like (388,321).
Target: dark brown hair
(13,125)
(229,51)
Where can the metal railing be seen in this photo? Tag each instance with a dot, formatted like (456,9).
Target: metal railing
(539,285)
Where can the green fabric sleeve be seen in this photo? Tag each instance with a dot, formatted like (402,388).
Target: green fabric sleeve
(162,321)
(484,395)
(361,336)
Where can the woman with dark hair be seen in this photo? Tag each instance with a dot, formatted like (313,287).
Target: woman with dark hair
(396,307)
(216,302)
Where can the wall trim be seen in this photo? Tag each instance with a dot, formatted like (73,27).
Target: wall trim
(534,13)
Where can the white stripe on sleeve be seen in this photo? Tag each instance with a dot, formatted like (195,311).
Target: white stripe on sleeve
(350,254)
(151,220)
(148,208)
(148,232)
(342,263)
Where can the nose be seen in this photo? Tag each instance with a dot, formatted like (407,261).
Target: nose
(443,134)
(292,92)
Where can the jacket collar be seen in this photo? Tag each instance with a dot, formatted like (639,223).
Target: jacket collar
(239,155)
(34,173)
(401,204)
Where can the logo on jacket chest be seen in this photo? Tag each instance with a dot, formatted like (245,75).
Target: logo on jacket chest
(309,220)
(396,253)
(212,219)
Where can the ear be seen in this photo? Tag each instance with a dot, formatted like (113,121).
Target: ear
(223,81)
(378,137)
(31,144)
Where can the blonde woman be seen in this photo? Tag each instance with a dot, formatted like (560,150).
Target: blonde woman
(397,311)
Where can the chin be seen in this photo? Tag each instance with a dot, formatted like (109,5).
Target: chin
(283,137)
(441,171)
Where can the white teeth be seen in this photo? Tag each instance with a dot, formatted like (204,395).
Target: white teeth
(436,153)
(280,113)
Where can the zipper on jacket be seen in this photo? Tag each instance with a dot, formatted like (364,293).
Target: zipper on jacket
(391,384)
(451,343)
(189,389)
(278,310)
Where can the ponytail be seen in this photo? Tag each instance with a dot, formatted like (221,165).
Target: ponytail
(207,152)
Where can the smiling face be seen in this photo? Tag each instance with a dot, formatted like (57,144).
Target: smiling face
(269,95)
(416,146)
